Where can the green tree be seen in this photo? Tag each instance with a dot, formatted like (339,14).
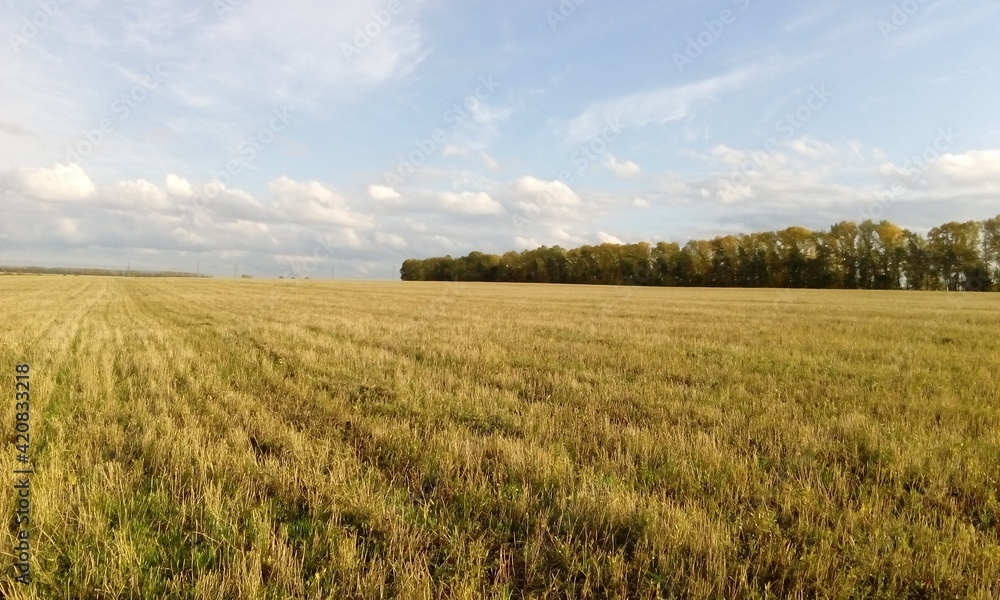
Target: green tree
(725,270)
(796,247)
(844,254)
(890,255)
(664,256)
(412,270)
(991,249)
(954,250)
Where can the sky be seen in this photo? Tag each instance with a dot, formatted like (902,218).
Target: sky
(336,139)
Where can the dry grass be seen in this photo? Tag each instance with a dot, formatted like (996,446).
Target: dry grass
(254,439)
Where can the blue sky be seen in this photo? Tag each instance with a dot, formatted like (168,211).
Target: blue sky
(339,138)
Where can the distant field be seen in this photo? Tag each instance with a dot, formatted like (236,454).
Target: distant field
(254,439)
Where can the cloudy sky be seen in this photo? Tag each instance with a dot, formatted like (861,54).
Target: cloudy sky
(338,138)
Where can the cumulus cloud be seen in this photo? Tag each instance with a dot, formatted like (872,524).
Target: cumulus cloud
(975,167)
(554,193)
(623,170)
(231,204)
(607,238)
(452,150)
(526,243)
(187,238)
(811,148)
(68,230)
(312,202)
(139,194)
(730,192)
(382,192)
(941,174)
(179,187)
(390,240)
(470,203)
(59,184)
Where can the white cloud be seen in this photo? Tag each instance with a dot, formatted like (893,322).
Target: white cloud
(484,157)
(607,238)
(565,238)
(794,174)
(303,50)
(655,107)
(470,203)
(188,238)
(811,148)
(526,243)
(382,192)
(451,150)
(442,242)
(139,194)
(59,184)
(348,238)
(177,186)
(68,230)
(975,167)
(391,240)
(623,170)
(489,162)
(640,203)
(544,193)
(976,171)
(311,202)
(730,192)
(482,127)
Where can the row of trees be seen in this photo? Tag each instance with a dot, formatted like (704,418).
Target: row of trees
(869,255)
(87,271)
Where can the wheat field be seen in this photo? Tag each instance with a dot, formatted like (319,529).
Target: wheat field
(300,439)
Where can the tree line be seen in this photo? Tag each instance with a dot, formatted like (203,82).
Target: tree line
(8,270)
(870,255)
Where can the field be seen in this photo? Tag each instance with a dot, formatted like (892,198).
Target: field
(299,439)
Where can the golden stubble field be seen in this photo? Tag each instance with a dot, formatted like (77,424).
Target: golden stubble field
(266,439)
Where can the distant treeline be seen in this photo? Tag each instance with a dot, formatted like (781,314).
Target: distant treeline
(955,256)
(104,272)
